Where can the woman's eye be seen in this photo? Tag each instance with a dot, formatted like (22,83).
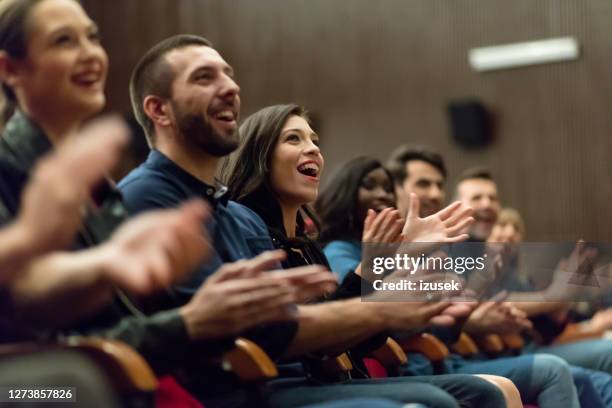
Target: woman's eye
(315,142)
(292,138)
(367,184)
(95,37)
(63,39)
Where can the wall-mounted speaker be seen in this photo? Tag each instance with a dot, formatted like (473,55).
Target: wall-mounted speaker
(470,123)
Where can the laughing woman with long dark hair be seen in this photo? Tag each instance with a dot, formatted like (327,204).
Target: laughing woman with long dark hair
(276,173)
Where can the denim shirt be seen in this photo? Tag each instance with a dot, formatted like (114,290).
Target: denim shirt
(236,232)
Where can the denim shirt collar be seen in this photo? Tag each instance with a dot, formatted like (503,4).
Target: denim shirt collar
(217,194)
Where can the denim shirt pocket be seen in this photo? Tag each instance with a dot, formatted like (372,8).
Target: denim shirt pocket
(257,245)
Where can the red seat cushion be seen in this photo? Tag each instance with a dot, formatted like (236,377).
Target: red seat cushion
(375,369)
(170,394)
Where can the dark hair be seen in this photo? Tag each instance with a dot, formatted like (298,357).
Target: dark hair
(153,76)
(477,172)
(405,153)
(13,40)
(337,206)
(248,169)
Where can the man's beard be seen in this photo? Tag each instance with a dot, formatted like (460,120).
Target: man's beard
(196,131)
(428,209)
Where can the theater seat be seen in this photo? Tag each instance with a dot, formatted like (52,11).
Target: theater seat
(329,368)
(513,341)
(129,374)
(375,368)
(386,360)
(390,355)
(249,362)
(134,381)
(465,346)
(574,332)
(491,344)
(426,344)
(435,350)
(171,394)
(126,369)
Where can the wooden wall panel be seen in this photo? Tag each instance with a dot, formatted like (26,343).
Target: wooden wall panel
(380,73)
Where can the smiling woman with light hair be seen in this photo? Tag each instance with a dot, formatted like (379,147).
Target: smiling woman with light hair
(509,227)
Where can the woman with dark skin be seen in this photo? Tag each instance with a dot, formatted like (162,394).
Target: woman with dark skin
(361,186)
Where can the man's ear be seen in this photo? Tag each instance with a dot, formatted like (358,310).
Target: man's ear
(158,110)
(8,70)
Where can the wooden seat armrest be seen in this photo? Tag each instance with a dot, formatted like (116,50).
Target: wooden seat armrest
(513,341)
(427,344)
(249,362)
(490,343)
(465,346)
(342,362)
(127,370)
(330,367)
(576,332)
(390,354)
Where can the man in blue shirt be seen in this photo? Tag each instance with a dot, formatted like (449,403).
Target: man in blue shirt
(184,95)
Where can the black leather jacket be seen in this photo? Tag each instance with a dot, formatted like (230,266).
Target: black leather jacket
(161,338)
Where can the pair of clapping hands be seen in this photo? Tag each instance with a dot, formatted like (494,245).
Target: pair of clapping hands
(153,250)
(418,308)
(144,254)
(448,225)
(502,317)
(386,233)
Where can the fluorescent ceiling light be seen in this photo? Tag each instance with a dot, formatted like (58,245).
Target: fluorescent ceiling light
(523,54)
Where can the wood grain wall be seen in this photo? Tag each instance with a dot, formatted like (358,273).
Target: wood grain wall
(379,73)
